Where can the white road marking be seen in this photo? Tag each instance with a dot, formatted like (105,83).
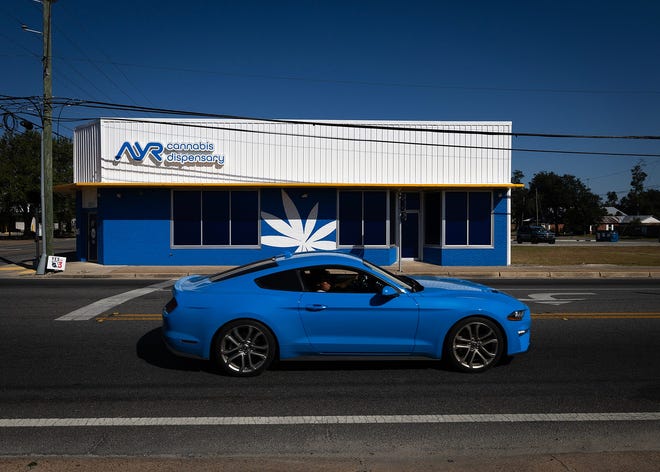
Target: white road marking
(549,298)
(94,309)
(325,420)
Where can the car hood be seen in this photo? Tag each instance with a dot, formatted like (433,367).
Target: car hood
(445,283)
(443,286)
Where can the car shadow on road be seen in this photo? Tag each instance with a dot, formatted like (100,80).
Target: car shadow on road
(151,348)
(358,364)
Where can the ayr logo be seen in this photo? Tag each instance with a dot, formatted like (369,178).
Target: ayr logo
(138,153)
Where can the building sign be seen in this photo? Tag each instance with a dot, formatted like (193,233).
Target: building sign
(183,153)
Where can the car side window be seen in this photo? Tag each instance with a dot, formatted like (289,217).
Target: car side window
(339,280)
(287,281)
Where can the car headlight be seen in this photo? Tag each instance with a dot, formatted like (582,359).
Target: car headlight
(516,315)
(171,305)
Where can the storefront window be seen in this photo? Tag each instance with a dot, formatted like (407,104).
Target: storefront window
(433,218)
(244,218)
(362,218)
(480,218)
(468,218)
(186,215)
(215,218)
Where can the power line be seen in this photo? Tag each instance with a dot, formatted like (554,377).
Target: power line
(93,63)
(362,126)
(114,106)
(388,84)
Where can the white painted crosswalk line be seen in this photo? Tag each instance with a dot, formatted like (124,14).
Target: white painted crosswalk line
(94,309)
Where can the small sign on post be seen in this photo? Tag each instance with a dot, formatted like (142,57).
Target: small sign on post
(56,263)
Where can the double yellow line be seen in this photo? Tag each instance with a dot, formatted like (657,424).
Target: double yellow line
(129,317)
(596,315)
(16,268)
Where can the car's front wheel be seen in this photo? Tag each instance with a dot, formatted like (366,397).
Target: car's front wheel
(244,348)
(474,345)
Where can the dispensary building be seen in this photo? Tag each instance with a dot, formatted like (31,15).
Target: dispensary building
(227,192)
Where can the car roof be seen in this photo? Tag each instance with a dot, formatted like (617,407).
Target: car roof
(317,258)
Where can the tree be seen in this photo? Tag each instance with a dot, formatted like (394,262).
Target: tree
(565,199)
(19,177)
(652,202)
(585,208)
(546,188)
(20,174)
(612,199)
(519,199)
(639,201)
(64,205)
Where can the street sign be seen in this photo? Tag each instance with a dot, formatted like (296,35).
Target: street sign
(56,263)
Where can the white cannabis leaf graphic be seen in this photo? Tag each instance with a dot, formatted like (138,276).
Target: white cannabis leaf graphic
(293,232)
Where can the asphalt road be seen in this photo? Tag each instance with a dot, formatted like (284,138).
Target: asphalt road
(595,358)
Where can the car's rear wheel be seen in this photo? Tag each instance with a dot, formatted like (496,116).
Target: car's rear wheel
(474,344)
(244,348)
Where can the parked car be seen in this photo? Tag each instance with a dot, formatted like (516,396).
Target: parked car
(332,304)
(535,234)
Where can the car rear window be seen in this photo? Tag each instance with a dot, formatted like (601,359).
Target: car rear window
(242,270)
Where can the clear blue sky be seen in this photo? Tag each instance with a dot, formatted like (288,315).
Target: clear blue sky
(568,67)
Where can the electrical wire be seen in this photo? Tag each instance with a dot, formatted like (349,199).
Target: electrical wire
(123,107)
(367,126)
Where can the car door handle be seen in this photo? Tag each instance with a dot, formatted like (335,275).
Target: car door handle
(315,307)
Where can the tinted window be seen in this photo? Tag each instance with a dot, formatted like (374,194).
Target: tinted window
(339,279)
(456,218)
(468,218)
(480,218)
(244,218)
(186,215)
(362,218)
(350,218)
(433,217)
(287,280)
(375,218)
(215,218)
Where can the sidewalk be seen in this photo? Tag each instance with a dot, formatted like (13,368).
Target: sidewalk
(92,270)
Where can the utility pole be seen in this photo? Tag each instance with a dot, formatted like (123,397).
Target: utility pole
(47,145)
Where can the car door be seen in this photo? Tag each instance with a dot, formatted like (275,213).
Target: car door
(354,318)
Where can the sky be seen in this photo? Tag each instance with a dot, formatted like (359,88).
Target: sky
(550,67)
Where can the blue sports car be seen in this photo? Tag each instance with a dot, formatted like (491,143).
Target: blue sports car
(331,304)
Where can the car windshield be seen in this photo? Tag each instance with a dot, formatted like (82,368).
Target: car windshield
(402,280)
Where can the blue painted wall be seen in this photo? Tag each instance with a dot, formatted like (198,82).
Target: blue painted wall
(134,229)
(495,256)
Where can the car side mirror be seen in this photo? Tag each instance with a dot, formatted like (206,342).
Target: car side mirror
(389,292)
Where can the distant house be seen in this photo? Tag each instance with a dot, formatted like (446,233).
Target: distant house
(633,225)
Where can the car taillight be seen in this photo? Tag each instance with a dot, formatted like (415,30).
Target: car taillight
(171,305)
